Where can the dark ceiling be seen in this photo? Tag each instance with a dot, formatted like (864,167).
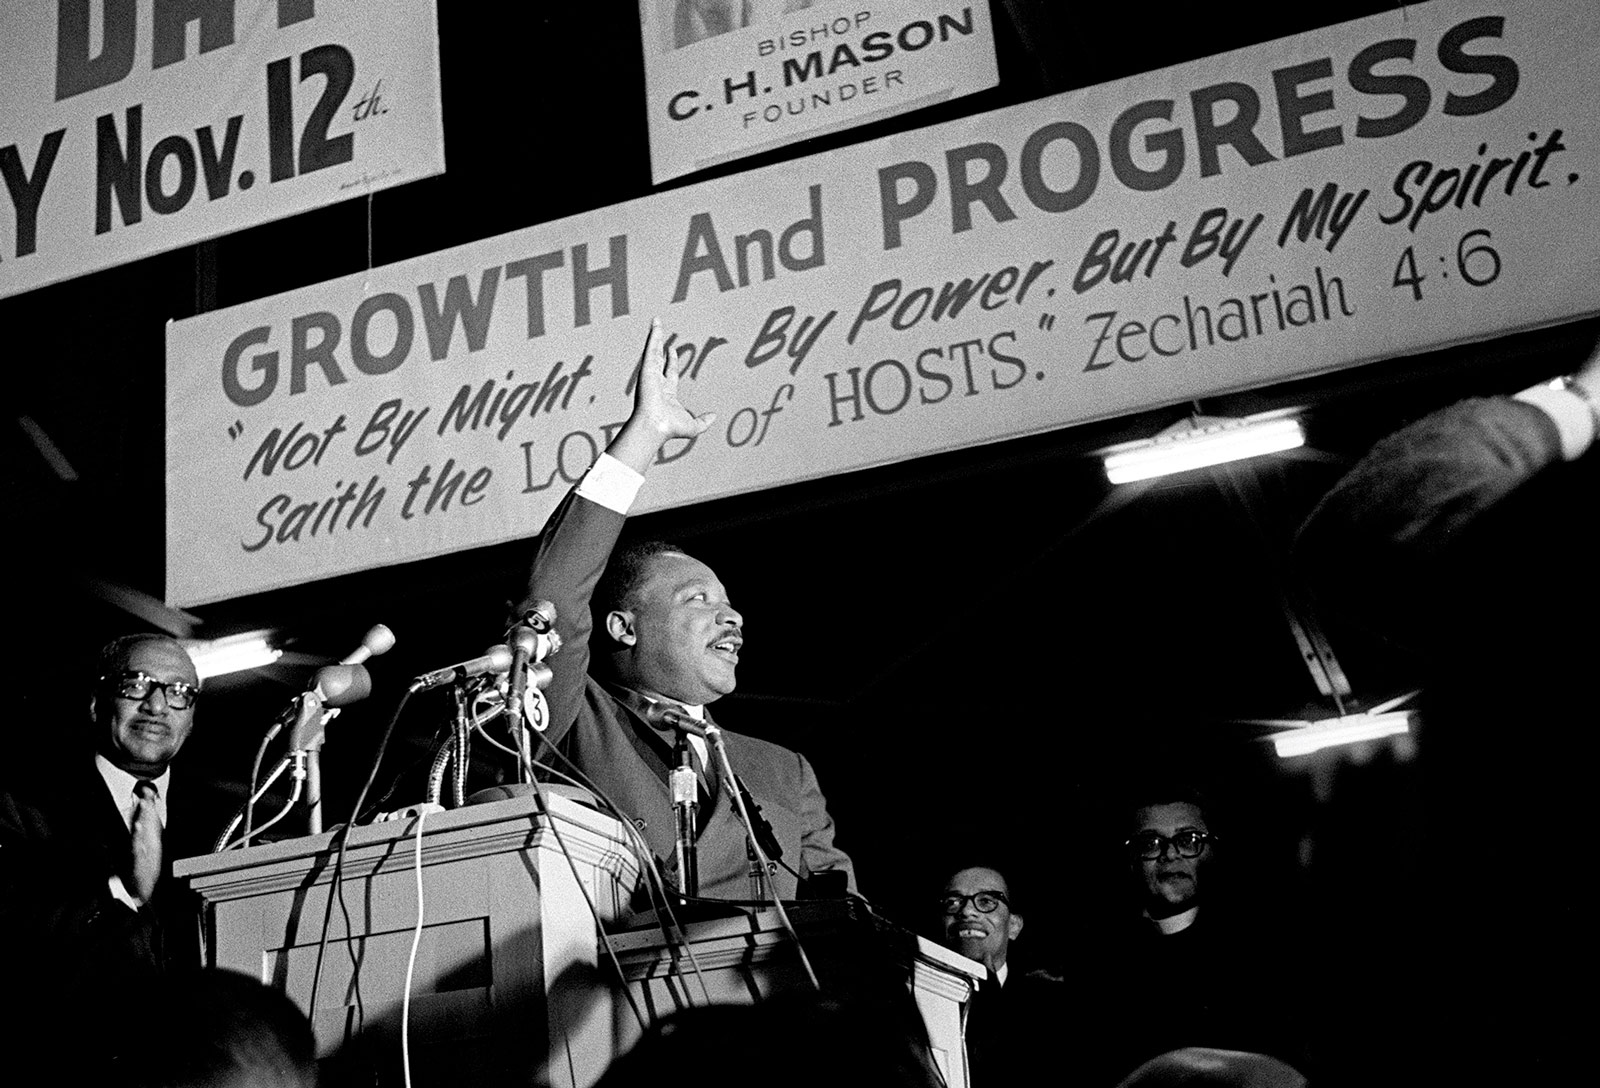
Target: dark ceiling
(992,623)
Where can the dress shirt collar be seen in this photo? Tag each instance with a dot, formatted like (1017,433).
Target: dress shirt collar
(698,713)
(697,744)
(1001,972)
(121,784)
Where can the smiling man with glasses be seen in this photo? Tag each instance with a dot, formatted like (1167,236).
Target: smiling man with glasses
(977,917)
(86,852)
(1014,1015)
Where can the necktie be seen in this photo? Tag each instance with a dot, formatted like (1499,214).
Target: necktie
(145,868)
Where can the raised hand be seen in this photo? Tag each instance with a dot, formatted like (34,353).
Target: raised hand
(658,414)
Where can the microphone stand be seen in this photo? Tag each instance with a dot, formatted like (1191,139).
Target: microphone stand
(455,748)
(760,833)
(685,804)
(314,781)
(714,736)
(313,750)
(535,639)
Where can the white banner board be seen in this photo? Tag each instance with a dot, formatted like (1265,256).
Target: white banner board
(1375,189)
(725,79)
(131,127)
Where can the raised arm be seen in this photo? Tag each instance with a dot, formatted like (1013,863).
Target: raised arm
(576,542)
(1403,528)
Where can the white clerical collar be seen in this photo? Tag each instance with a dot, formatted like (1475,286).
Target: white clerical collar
(121,783)
(1177,923)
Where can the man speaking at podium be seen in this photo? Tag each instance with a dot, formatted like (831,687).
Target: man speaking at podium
(667,635)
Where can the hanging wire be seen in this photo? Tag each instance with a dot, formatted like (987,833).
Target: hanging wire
(411,961)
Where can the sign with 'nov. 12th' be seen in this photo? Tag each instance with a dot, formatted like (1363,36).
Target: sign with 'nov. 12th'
(131,127)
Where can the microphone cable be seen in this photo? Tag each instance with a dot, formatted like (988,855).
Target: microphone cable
(594,912)
(336,883)
(411,961)
(714,734)
(255,768)
(646,858)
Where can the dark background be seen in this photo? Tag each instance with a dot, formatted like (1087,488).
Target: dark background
(977,650)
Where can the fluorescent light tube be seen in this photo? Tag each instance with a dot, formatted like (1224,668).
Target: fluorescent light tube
(1351,729)
(1212,443)
(236,653)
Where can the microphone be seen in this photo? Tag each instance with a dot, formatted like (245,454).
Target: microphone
(541,617)
(497,660)
(379,640)
(334,682)
(533,638)
(337,686)
(524,644)
(670,716)
(341,685)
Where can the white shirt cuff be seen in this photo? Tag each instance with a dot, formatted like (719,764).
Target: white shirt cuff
(120,893)
(1570,413)
(611,483)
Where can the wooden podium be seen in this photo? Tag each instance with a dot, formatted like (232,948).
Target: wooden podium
(505,990)
(855,953)
(508,987)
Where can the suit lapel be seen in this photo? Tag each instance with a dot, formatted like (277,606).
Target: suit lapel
(652,746)
(101,817)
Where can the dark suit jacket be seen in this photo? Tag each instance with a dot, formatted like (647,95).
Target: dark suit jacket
(1014,1031)
(75,946)
(628,759)
(1224,983)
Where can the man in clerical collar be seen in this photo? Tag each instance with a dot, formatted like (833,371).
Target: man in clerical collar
(1169,850)
(1189,938)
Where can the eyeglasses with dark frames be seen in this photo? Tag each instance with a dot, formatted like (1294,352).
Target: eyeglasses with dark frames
(1188,842)
(136,685)
(985,901)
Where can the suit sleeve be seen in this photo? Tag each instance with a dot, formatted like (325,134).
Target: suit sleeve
(572,554)
(56,899)
(818,854)
(1390,537)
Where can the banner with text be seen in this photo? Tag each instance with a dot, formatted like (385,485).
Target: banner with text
(132,127)
(725,79)
(1379,188)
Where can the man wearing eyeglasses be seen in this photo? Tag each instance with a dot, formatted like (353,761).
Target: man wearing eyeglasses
(1014,1014)
(1170,850)
(1207,970)
(86,894)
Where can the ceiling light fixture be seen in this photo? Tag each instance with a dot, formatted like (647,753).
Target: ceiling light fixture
(1350,729)
(234,653)
(1202,441)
